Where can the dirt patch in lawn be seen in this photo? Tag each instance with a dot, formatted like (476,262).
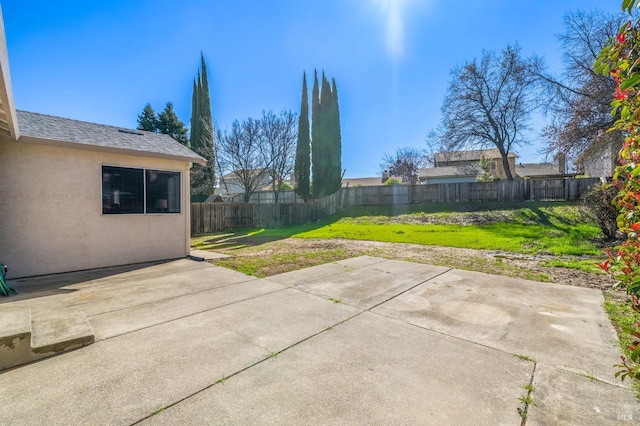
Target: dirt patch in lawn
(285,255)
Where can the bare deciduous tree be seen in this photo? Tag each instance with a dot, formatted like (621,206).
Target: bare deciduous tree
(405,164)
(489,102)
(579,99)
(280,138)
(242,153)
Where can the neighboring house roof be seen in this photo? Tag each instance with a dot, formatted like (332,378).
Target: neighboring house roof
(369,181)
(449,171)
(254,172)
(469,155)
(536,169)
(102,137)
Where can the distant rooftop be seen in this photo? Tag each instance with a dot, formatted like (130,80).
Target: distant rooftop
(536,169)
(367,181)
(449,171)
(47,127)
(469,155)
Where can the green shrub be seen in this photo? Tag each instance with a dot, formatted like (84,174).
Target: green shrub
(393,181)
(599,202)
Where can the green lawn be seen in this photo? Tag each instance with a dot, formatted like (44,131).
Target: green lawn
(513,237)
(531,228)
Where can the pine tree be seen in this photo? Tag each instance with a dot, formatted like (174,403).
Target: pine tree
(303,154)
(147,119)
(169,124)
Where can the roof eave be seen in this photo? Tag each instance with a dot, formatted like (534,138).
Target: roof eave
(98,148)
(8,117)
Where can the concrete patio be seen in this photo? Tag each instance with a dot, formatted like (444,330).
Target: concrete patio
(361,341)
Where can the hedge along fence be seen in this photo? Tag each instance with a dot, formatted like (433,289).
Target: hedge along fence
(213,217)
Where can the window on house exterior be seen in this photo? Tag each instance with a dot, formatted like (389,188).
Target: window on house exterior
(163,191)
(129,191)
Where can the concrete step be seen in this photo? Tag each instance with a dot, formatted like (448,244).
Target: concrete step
(15,338)
(24,338)
(59,333)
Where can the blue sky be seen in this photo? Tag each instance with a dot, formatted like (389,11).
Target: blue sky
(103,61)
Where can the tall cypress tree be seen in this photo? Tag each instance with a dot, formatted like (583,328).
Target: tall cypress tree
(196,129)
(201,137)
(205,102)
(336,143)
(326,104)
(303,147)
(317,147)
(326,141)
(193,134)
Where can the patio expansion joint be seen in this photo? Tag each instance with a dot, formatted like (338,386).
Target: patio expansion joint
(293,345)
(527,399)
(347,269)
(260,361)
(170,298)
(409,289)
(185,316)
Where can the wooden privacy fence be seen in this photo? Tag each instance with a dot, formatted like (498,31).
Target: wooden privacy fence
(213,217)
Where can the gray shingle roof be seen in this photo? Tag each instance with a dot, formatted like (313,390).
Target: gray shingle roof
(48,127)
(451,171)
(536,169)
(469,155)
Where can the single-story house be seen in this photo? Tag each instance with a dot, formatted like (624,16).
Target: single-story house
(78,195)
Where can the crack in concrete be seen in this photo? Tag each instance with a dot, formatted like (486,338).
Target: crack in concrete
(524,413)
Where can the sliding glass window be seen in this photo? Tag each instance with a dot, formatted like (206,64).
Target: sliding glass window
(134,191)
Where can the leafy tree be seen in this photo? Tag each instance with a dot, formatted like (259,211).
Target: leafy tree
(489,102)
(279,138)
(579,98)
(405,164)
(619,59)
(485,165)
(303,147)
(170,124)
(393,181)
(147,119)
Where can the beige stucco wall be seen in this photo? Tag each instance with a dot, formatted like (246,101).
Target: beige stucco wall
(51,212)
